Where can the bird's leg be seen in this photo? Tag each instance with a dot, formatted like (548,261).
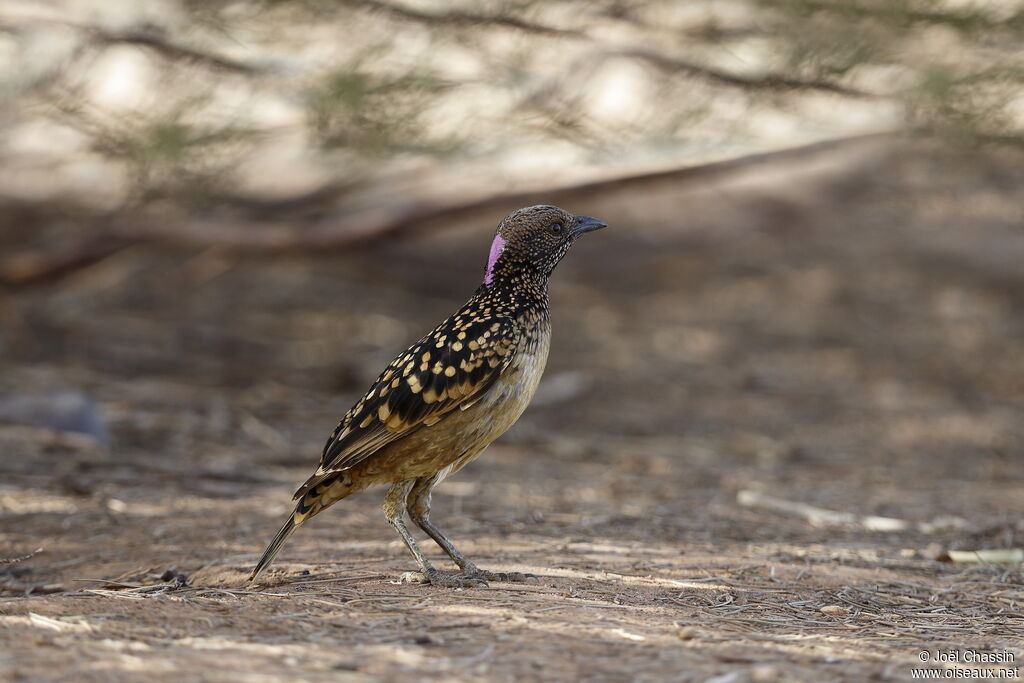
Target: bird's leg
(419,511)
(418,505)
(394,510)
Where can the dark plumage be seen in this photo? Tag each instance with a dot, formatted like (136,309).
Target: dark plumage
(440,403)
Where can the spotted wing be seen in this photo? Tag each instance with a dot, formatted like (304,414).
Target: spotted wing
(449,368)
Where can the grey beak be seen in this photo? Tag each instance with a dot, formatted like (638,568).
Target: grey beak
(587,224)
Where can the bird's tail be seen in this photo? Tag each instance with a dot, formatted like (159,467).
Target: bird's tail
(275,547)
(317,494)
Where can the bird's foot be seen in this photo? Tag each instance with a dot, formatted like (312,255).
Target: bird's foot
(444,579)
(499,577)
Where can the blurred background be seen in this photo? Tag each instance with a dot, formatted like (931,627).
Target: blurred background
(219,220)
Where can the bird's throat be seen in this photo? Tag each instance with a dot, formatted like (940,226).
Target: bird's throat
(497,246)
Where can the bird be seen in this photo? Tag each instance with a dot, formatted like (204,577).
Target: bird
(443,400)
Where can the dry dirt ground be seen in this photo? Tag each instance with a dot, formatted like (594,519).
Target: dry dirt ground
(836,332)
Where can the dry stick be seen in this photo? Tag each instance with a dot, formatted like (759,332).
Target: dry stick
(15,560)
(820,516)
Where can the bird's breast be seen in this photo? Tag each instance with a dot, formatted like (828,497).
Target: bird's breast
(464,433)
(514,389)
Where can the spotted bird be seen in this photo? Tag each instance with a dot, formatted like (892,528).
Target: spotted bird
(440,403)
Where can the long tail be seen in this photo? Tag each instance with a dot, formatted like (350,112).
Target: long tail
(318,493)
(275,547)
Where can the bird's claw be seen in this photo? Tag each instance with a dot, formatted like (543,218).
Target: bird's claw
(444,579)
(499,577)
(505,577)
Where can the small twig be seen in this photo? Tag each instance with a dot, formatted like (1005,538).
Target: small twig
(15,560)
(820,516)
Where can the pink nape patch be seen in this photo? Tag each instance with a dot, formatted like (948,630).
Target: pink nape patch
(497,246)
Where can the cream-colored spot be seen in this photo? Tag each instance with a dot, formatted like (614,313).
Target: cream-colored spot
(383,412)
(449,371)
(366,421)
(457,346)
(474,345)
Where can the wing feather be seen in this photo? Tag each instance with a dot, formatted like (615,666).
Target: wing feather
(452,366)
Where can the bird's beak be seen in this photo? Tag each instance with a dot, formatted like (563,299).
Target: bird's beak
(587,224)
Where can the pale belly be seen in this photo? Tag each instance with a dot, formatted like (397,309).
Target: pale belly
(462,435)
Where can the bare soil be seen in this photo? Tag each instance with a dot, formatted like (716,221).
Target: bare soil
(840,332)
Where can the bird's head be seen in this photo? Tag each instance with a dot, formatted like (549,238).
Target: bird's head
(533,240)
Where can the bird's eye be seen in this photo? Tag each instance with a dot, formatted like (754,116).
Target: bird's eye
(556,228)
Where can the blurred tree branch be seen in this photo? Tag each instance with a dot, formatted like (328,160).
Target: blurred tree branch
(152,38)
(271,227)
(907,13)
(148,36)
(770,81)
(462,18)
